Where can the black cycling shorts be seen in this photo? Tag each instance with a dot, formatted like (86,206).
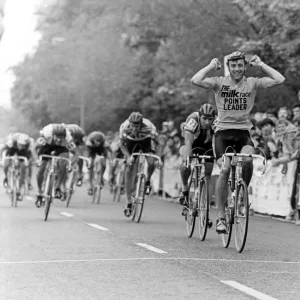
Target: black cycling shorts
(93,151)
(47,149)
(146,145)
(23,152)
(235,138)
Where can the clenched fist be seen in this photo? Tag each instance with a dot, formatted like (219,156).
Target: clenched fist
(215,62)
(255,61)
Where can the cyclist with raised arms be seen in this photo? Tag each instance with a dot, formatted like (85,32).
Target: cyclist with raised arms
(234,96)
(22,145)
(54,139)
(198,133)
(78,135)
(137,133)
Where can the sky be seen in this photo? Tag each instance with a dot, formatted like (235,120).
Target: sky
(19,38)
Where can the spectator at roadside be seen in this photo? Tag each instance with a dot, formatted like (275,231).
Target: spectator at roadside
(296,110)
(284,113)
(272,114)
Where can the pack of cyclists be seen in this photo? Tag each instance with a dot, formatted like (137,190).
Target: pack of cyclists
(209,129)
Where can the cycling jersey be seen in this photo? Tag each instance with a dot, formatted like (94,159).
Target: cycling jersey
(77,133)
(147,130)
(193,126)
(47,134)
(95,136)
(235,101)
(12,141)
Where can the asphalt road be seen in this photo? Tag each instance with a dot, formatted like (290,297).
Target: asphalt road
(90,251)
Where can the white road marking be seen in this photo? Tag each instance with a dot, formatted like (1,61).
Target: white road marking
(245,289)
(97,226)
(151,248)
(139,259)
(29,198)
(67,214)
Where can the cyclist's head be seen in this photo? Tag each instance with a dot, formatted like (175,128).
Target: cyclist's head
(207,115)
(136,120)
(23,140)
(236,63)
(59,133)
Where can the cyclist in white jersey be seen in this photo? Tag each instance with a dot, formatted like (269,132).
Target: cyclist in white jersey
(234,96)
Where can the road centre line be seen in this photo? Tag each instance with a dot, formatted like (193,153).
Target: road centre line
(151,248)
(136,259)
(97,226)
(66,214)
(249,291)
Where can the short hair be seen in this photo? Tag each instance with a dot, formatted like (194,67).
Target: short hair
(296,105)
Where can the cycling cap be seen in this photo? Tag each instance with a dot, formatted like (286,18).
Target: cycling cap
(60,130)
(207,110)
(23,139)
(236,55)
(136,118)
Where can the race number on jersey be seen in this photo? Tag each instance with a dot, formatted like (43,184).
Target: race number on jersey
(191,125)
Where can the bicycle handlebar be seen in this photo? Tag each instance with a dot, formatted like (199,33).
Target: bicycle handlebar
(58,158)
(148,155)
(247,155)
(126,136)
(189,158)
(24,158)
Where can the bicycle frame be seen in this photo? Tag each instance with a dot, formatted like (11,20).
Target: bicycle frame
(140,185)
(48,193)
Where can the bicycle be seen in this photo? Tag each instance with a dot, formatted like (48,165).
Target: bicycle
(73,179)
(99,184)
(199,202)
(237,205)
(139,197)
(52,173)
(14,177)
(119,182)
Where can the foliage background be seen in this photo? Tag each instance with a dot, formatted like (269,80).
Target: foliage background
(118,56)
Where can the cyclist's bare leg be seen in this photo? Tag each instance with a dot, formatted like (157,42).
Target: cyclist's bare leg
(102,169)
(222,189)
(5,168)
(80,167)
(247,164)
(130,175)
(91,173)
(22,173)
(40,176)
(151,168)
(62,172)
(29,172)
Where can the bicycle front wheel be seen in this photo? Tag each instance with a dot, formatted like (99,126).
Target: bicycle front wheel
(48,196)
(203,209)
(241,216)
(71,189)
(190,217)
(138,205)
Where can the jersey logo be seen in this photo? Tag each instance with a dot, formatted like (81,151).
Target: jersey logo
(191,125)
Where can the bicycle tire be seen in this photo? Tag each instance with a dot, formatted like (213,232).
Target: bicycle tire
(99,188)
(48,198)
(190,218)
(229,214)
(240,240)
(118,187)
(14,191)
(203,209)
(139,203)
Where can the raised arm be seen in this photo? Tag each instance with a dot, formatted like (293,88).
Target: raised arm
(273,77)
(199,78)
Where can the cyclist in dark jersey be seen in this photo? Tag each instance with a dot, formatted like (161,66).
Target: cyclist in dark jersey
(198,133)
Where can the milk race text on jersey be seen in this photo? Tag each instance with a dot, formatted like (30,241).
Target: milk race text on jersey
(234,100)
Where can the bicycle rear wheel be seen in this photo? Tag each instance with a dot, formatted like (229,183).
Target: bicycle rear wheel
(241,216)
(203,209)
(229,215)
(190,218)
(48,197)
(139,202)
(13,191)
